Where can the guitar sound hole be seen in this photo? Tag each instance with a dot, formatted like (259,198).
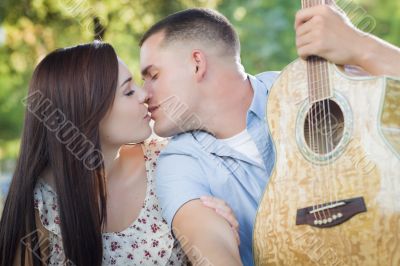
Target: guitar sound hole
(323,127)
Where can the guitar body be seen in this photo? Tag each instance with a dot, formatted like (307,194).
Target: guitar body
(363,162)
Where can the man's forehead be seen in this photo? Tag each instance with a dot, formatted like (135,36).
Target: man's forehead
(153,42)
(150,49)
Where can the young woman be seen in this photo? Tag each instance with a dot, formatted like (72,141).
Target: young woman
(79,195)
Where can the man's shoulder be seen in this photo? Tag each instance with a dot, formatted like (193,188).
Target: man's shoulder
(268,78)
(182,159)
(182,143)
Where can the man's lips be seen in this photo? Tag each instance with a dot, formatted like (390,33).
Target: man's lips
(153,108)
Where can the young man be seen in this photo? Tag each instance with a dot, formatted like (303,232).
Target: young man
(201,95)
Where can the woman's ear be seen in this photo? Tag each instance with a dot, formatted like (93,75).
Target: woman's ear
(199,64)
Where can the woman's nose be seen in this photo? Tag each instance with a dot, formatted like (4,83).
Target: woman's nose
(143,95)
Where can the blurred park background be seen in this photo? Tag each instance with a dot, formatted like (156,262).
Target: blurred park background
(29,29)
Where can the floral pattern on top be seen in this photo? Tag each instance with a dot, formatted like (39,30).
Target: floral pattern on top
(147,241)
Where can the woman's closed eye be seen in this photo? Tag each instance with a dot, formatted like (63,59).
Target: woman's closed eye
(130,93)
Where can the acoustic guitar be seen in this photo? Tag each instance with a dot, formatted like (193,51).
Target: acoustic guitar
(334,195)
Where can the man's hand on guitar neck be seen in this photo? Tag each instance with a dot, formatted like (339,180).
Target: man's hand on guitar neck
(327,32)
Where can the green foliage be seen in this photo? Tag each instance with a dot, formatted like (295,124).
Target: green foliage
(33,28)
(266,32)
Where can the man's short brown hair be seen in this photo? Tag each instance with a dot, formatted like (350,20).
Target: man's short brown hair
(198,24)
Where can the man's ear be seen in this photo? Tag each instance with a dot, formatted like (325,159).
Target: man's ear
(199,64)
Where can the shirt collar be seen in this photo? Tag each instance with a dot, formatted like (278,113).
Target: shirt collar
(259,98)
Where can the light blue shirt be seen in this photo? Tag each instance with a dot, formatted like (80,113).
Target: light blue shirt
(195,164)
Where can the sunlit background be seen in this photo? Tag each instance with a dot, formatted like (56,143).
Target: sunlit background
(29,29)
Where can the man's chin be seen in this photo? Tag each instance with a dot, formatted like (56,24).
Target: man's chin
(165,131)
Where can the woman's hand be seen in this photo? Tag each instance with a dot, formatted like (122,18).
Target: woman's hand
(222,208)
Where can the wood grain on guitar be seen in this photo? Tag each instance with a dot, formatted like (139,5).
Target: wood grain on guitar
(334,195)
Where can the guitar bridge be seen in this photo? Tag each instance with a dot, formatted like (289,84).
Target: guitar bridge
(331,213)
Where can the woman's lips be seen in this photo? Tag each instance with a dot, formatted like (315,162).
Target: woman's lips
(146,117)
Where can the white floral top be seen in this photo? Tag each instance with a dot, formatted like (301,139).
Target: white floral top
(147,241)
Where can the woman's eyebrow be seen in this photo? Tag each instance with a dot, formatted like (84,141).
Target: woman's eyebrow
(126,81)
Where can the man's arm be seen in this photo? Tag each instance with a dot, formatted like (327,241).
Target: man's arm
(326,32)
(206,237)
(204,233)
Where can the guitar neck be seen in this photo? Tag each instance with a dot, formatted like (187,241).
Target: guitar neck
(317,67)
(311,3)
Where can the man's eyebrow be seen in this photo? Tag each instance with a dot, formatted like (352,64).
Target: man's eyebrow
(126,81)
(146,70)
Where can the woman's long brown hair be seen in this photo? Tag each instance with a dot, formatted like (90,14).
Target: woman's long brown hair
(70,92)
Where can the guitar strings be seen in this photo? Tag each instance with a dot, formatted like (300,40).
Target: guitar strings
(310,129)
(324,73)
(319,64)
(318,119)
(311,136)
(324,87)
(328,128)
(319,115)
(331,135)
(320,126)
